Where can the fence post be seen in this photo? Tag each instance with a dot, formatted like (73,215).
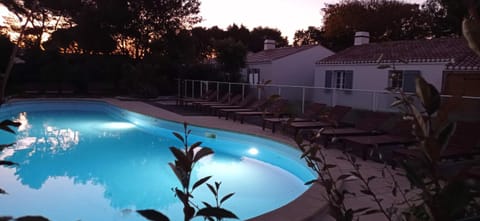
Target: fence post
(374,101)
(303,100)
(334,97)
(243,92)
(185,87)
(218,89)
(279,91)
(193,88)
(179,89)
(229,91)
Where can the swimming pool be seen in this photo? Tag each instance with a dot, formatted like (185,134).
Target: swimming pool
(88,160)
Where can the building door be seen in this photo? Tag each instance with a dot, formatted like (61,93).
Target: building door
(465,84)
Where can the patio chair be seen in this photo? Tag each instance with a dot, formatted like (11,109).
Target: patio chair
(464,143)
(312,112)
(369,123)
(399,134)
(209,95)
(332,118)
(255,106)
(277,108)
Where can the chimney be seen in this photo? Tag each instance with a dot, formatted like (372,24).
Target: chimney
(268,44)
(361,38)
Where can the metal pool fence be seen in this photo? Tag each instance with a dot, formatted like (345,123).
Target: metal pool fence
(301,96)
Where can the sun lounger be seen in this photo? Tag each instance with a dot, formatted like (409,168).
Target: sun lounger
(369,123)
(209,95)
(222,99)
(255,106)
(311,113)
(229,101)
(400,134)
(277,108)
(331,119)
(244,103)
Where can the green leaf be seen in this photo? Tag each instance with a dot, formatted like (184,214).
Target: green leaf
(7,163)
(216,212)
(6,124)
(3,146)
(180,137)
(343,176)
(182,196)
(372,211)
(31,218)
(153,215)
(207,204)
(182,159)
(212,189)
(202,153)
(444,135)
(197,144)
(428,95)
(361,210)
(311,182)
(226,197)
(200,182)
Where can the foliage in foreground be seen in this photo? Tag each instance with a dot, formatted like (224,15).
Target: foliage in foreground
(185,160)
(437,196)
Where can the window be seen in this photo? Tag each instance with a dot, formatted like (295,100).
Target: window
(339,79)
(404,80)
(253,75)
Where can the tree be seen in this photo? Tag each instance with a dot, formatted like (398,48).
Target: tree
(311,36)
(385,20)
(259,34)
(231,55)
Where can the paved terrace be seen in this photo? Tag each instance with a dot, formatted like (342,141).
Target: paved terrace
(309,206)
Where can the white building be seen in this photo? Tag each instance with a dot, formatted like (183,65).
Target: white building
(447,63)
(443,62)
(289,65)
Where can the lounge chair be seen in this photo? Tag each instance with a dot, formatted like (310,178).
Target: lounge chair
(276,108)
(243,103)
(369,123)
(222,99)
(331,119)
(399,134)
(209,95)
(312,112)
(255,106)
(462,144)
(229,101)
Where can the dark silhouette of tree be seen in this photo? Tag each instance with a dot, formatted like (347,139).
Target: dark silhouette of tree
(259,34)
(241,34)
(310,36)
(385,20)
(6,47)
(231,55)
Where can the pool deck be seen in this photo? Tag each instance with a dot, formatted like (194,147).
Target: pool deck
(310,206)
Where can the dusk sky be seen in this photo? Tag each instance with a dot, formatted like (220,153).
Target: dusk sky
(286,15)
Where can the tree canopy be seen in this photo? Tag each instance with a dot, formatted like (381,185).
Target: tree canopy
(385,20)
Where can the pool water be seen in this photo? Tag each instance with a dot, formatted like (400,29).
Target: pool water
(93,161)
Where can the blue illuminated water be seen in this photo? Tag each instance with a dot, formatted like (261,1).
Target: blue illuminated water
(93,161)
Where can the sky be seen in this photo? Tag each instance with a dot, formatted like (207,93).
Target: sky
(286,15)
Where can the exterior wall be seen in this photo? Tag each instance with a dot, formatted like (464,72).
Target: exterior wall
(369,77)
(299,68)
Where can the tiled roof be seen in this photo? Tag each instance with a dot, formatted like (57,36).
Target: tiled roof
(454,51)
(274,54)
